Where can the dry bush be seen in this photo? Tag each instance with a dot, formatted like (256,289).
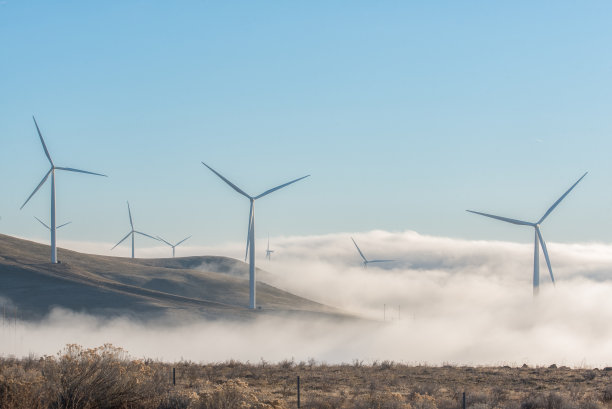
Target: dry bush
(607,394)
(423,402)
(551,400)
(234,394)
(177,400)
(21,389)
(98,378)
(322,401)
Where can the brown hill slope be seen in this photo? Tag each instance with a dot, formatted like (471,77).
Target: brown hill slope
(142,288)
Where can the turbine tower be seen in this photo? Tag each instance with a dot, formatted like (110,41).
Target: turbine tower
(365,260)
(173,245)
(538,239)
(250,247)
(132,232)
(51,172)
(49,228)
(268,251)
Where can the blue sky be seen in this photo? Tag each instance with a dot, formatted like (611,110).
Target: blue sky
(404,113)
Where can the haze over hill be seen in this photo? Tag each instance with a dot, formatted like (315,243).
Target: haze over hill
(203,287)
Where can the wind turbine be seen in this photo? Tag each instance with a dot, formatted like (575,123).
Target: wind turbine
(173,245)
(132,232)
(365,260)
(250,247)
(51,172)
(538,239)
(49,228)
(268,251)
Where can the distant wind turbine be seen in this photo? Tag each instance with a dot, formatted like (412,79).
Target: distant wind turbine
(51,172)
(132,232)
(365,260)
(49,228)
(268,251)
(250,247)
(173,245)
(538,239)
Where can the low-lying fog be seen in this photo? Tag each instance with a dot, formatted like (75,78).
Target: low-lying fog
(443,301)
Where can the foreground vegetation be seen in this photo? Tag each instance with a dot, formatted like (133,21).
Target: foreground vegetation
(105,378)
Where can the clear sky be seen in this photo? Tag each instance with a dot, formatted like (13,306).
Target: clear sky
(404,113)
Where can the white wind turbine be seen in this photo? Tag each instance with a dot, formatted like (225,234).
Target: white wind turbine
(268,251)
(538,239)
(365,260)
(173,245)
(51,172)
(250,247)
(132,232)
(49,228)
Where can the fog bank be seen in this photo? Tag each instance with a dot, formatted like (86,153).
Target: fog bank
(443,301)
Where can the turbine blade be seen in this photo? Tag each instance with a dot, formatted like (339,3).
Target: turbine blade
(503,219)
(545,254)
(62,225)
(246,253)
(37,187)
(236,188)
(130,214)
(42,141)
(359,250)
(145,234)
(41,222)
(185,239)
(121,241)
(159,238)
(81,171)
(379,261)
(560,199)
(267,192)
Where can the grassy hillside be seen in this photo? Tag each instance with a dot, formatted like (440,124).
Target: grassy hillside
(208,286)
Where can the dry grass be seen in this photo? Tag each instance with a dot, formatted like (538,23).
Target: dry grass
(106,378)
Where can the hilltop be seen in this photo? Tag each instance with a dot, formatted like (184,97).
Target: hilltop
(206,286)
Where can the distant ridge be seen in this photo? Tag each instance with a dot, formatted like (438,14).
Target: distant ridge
(199,287)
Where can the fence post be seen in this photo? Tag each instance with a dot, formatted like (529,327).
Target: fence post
(463,404)
(298,391)
(174,376)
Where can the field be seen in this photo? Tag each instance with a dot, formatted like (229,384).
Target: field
(106,377)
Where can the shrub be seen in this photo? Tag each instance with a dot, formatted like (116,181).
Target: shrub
(97,378)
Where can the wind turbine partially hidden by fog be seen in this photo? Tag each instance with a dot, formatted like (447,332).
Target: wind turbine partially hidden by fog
(250,247)
(49,228)
(268,251)
(173,245)
(132,232)
(51,172)
(538,239)
(365,260)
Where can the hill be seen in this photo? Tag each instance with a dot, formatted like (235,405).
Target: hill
(207,286)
